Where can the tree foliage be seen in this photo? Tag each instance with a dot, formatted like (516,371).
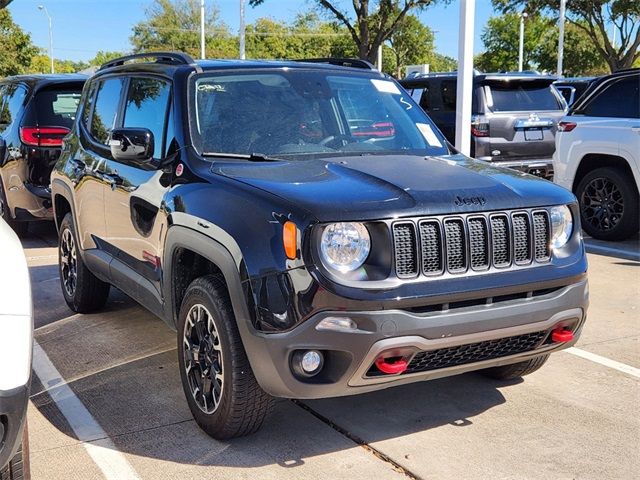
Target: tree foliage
(372,22)
(175,25)
(501,37)
(411,44)
(16,48)
(594,18)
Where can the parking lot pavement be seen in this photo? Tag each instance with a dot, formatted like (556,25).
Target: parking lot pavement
(107,403)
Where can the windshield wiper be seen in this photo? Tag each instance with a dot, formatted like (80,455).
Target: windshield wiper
(253,157)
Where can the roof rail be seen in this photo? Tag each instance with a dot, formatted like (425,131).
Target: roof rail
(175,58)
(341,62)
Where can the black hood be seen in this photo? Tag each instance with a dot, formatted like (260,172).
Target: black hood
(369,187)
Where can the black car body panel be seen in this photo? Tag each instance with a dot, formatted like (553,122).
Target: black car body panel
(149,227)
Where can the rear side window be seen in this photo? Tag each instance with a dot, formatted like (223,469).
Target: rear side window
(146,106)
(618,100)
(105,111)
(522,97)
(57,108)
(14,98)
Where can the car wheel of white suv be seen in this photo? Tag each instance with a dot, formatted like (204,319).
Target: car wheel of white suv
(608,204)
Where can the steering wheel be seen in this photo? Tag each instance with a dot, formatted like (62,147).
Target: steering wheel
(332,138)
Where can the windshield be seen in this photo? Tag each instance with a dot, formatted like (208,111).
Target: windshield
(297,113)
(523,97)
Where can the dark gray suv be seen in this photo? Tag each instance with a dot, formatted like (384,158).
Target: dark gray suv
(514,116)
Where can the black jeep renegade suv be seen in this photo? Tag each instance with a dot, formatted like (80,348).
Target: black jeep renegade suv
(308,232)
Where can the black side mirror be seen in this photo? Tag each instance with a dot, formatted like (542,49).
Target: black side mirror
(132,145)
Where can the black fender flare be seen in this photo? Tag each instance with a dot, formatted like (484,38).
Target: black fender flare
(214,246)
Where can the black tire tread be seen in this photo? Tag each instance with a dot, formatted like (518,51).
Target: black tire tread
(15,468)
(91,293)
(516,370)
(249,404)
(630,222)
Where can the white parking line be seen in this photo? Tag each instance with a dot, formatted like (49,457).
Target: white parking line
(97,443)
(607,362)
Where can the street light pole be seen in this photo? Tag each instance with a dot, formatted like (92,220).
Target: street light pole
(46,12)
(242,31)
(523,15)
(202,46)
(561,37)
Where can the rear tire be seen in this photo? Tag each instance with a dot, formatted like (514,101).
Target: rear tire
(20,228)
(18,466)
(222,393)
(608,204)
(82,290)
(516,370)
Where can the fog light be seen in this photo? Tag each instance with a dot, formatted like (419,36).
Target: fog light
(307,363)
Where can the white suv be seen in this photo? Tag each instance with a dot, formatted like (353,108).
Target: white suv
(598,155)
(16,338)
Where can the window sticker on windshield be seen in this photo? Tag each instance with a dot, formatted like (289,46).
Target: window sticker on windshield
(385,86)
(429,136)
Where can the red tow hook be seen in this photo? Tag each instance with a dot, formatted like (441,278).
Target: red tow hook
(391,368)
(560,335)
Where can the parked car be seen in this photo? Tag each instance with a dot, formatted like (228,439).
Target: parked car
(36,112)
(297,257)
(16,338)
(514,116)
(573,88)
(598,155)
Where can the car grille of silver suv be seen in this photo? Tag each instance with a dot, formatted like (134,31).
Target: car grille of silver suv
(455,245)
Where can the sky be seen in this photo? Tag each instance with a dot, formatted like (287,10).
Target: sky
(82,27)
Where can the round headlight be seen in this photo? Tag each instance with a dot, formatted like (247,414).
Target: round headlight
(561,226)
(345,246)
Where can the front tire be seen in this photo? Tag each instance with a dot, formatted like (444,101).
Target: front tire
(516,370)
(221,390)
(82,290)
(608,204)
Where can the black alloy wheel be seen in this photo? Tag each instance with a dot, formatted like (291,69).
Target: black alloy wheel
(608,200)
(203,358)
(68,262)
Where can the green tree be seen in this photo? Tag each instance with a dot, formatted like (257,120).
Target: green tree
(594,18)
(372,22)
(16,46)
(104,56)
(175,25)
(501,36)
(411,44)
(40,63)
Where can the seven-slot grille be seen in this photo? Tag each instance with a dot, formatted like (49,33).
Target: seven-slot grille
(433,246)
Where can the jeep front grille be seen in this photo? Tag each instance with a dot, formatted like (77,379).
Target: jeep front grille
(477,242)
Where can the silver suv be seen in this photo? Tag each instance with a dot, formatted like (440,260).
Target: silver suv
(514,116)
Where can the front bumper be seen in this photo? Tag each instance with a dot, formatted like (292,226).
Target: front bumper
(349,355)
(13,413)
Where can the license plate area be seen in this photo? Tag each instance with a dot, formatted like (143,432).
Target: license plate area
(531,134)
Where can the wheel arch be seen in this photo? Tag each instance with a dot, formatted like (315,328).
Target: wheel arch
(62,202)
(591,161)
(190,254)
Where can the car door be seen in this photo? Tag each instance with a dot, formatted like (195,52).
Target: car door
(100,114)
(135,226)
